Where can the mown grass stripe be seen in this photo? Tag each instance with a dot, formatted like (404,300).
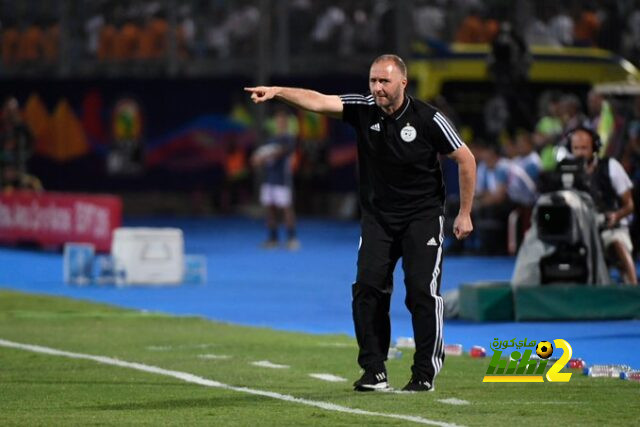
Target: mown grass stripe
(328,377)
(187,377)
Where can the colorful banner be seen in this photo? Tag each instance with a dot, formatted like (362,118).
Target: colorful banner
(164,134)
(52,219)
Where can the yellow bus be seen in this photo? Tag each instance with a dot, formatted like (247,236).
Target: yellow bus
(458,72)
(432,69)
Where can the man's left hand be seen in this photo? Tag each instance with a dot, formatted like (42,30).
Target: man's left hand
(462,226)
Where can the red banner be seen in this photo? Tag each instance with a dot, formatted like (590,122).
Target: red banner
(52,219)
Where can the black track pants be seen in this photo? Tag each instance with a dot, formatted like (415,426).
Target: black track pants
(419,244)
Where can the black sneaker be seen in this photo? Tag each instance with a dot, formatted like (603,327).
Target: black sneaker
(372,381)
(415,384)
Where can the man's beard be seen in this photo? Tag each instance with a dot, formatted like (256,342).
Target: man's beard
(385,101)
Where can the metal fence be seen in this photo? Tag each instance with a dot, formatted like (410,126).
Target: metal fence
(256,38)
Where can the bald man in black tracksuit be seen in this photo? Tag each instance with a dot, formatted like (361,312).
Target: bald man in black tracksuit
(402,199)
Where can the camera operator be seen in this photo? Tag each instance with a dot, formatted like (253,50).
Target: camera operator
(610,188)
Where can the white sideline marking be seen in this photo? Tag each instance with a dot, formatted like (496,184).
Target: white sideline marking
(328,377)
(267,364)
(454,401)
(214,356)
(511,402)
(169,347)
(190,378)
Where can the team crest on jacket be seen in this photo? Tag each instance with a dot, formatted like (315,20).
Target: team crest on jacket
(408,133)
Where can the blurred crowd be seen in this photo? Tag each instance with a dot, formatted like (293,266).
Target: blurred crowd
(514,170)
(514,153)
(148,30)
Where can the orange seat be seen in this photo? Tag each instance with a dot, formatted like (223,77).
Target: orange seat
(107,43)
(586,29)
(10,45)
(153,39)
(31,44)
(127,42)
(472,30)
(51,43)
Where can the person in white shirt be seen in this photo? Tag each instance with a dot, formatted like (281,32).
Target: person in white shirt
(610,188)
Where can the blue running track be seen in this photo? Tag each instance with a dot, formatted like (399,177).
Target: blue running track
(308,290)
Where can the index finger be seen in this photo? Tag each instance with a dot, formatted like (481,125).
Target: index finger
(251,89)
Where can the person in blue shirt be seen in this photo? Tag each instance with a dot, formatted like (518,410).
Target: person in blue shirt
(527,157)
(492,203)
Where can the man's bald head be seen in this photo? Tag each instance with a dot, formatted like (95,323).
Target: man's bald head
(397,61)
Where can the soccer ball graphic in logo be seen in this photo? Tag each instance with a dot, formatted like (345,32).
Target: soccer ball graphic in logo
(544,349)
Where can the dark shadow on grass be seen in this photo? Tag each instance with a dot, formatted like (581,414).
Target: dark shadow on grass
(92,383)
(212,402)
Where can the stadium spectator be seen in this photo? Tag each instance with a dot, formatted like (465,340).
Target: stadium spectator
(611,25)
(539,32)
(472,28)
(276,192)
(218,38)
(508,66)
(92,29)
(312,161)
(594,107)
(186,32)
(429,20)
(570,111)
(561,26)
(402,200)
(386,26)
(610,188)
(242,24)
(301,20)
(633,37)
(16,144)
(610,125)
(631,163)
(361,34)
(492,205)
(526,188)
(509,60)
(329,30)
(235,189)
(548,129)
(233,31)
(631,158)
(564,114)
(587,24)
(526,155)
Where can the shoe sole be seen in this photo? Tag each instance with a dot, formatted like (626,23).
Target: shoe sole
(417,391)
(373,387)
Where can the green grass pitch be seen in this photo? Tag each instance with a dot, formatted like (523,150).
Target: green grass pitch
(41,389)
